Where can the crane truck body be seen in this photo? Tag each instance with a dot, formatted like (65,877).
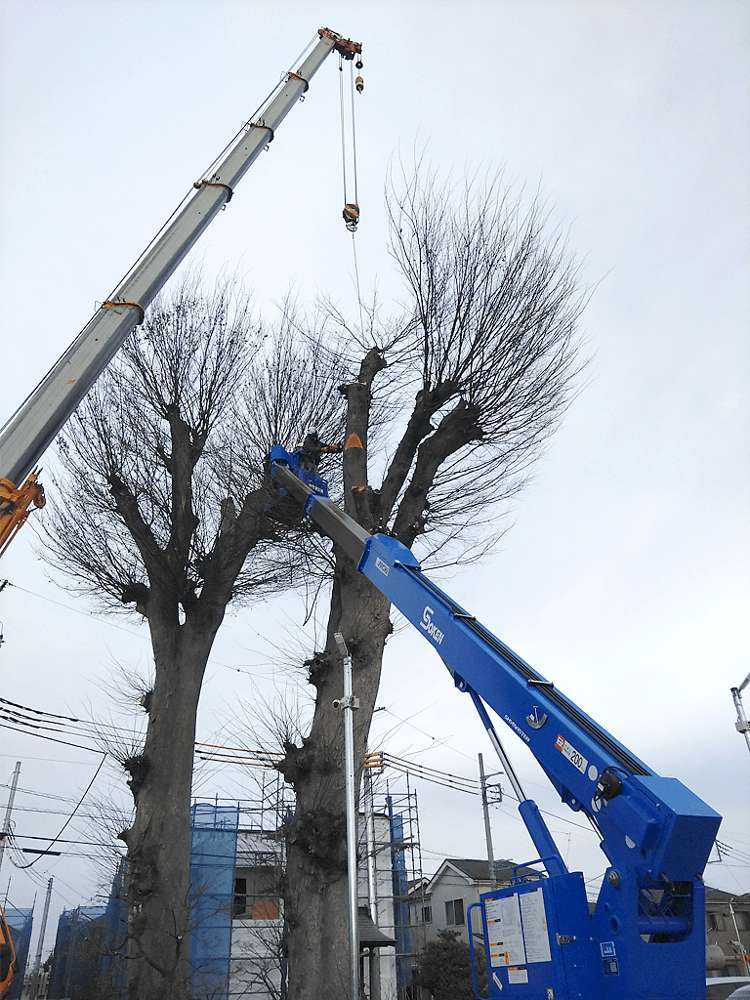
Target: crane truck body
(645,938)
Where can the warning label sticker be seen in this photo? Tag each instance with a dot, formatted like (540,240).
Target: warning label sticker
(575,758)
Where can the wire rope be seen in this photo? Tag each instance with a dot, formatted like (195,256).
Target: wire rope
(343,124)
(70,818)
(354,132)
(355,179)
(359,290)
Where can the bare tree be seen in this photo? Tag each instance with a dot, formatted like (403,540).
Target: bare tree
(462,392)
(445,407)
(163,511)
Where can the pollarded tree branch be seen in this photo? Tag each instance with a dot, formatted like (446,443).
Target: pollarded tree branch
(154,562)
(238,535)
(358,401)
(427,403)
(457,429)
(187,448)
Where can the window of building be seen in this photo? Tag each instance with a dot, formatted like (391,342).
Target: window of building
(454,912)
(426,914)
(715,922)
(256,895)
(743,920)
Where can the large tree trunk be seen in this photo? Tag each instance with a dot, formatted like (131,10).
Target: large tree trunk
(317,911)
(315,896)
(159,842)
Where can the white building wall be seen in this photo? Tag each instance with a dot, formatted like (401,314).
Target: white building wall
(447,889)
(386,957)
(255,966)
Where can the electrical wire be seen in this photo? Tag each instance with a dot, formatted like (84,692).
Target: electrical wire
(106,621)
(69,819)
(265,758)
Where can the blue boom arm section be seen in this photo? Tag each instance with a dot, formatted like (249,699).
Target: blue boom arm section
(646,936)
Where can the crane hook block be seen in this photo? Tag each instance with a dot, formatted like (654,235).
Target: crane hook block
(351,217)
(359,83)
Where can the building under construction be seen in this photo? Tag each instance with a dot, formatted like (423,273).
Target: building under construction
(237,865)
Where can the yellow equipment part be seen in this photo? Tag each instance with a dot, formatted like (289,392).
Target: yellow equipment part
(15,505)
(7,955)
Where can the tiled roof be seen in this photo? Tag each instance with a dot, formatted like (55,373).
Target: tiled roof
(478,870)
(371,936)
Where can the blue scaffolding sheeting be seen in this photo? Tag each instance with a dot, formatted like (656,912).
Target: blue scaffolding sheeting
(400,897)
(78,949)
(214,847)
(112,963)
(19,922)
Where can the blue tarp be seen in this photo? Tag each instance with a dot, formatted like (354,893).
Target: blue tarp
(78,947)
(89,947)
(112,965)
(90,940)
(212,889)
(400,900)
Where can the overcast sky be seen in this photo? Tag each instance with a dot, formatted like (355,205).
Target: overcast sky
(625,574)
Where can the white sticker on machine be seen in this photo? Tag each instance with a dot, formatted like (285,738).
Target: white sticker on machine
(518,976)
(575,758)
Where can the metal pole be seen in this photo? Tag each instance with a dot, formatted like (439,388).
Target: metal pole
(372,876)
(6,826)
(347,704)
(33,427)
(372,882)
(741,725)
(487,828)
(42,930)
(739,939)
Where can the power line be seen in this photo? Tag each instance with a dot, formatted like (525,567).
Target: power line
(69,819)
(110,624)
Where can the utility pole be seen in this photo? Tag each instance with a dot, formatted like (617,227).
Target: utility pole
(42,930)
(6,826)
(743,953)
(487,828)
(347,704)
(372,881)
(741,725)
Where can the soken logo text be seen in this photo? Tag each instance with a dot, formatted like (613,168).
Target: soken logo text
(430,628)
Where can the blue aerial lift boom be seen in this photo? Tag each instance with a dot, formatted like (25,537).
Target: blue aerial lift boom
(645,939)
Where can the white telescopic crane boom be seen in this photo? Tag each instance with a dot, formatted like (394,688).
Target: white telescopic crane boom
(36,423)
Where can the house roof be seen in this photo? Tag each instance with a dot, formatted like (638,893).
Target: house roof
(719,896)
(478,869)
(371,936)
(417,884)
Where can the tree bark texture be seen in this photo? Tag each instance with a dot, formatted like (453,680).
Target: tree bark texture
(159,842)
(316,896)
(160,839)
(316,899)
(316,885)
